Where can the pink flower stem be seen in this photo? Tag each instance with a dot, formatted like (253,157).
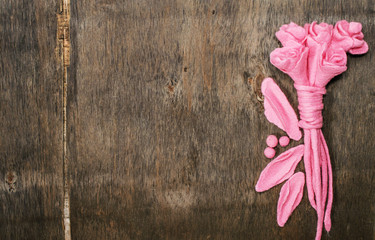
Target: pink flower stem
(317,182)
(308,169)
(324,165)
(327,217)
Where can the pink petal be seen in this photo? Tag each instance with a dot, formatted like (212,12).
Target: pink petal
(290,196)
(279,169)
(355,27)
(361,50)
(278,109)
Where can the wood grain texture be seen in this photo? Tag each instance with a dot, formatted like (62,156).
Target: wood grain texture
(30,122)
(166,132)
(165,122)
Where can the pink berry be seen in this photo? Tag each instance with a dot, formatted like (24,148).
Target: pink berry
(271,141)
(269,152)
(284,141)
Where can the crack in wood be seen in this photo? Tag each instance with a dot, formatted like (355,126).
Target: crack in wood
(63,39)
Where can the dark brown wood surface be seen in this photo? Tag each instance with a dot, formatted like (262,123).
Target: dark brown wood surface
(165,127)
(30,122)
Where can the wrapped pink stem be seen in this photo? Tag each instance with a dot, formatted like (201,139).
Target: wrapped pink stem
(327,217)
(317,181)
(324,165)
(310,100)
(308,169)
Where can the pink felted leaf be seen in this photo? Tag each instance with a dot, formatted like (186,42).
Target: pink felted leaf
(278,110)
(290,196)
(279,169)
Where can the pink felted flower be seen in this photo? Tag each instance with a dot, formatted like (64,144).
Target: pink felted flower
(349,36)
(290,33)
(332,62)
(311,60)
(318,33)
(292,60)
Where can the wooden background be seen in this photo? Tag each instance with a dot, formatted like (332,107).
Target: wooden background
(165,130)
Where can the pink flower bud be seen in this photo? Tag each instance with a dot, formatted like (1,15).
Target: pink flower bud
(293,61)
(349,36)
(318,33)
(290,33)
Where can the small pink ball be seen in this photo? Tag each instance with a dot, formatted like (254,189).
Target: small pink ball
(269,152)
(284,141)
(271,141)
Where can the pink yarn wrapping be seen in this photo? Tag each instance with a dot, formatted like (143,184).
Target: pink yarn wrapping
(310,107)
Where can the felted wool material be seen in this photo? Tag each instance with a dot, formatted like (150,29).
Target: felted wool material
(269,152)
(271,141)
(312,55)
(279,169)
(284,141)
(290,196)
(278,110)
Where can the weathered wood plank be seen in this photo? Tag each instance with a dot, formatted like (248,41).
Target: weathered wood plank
(166,133)
(30,122)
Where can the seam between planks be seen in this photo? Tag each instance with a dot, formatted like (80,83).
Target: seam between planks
(63,39)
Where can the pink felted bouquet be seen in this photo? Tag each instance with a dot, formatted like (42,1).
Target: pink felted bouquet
(311,55)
